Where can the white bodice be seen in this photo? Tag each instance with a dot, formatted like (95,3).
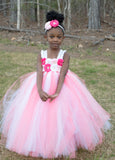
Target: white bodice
(54,64)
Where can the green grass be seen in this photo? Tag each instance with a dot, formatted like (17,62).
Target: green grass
(99,77)
(5,41)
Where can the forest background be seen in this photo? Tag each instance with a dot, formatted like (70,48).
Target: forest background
(23,14)
(90,40)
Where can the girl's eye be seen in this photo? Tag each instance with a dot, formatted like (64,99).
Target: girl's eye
(51,36)
(59,37)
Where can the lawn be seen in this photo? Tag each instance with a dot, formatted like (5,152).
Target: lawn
(99,77)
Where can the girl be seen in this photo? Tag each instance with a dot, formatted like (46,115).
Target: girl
(52,113)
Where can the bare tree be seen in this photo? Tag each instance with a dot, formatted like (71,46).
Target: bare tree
(32,10)
(65,9)
(1,4)
(18,14)
(49,3)
(69,15)
(87,6)
(45,8)
(13,11)
(38,14)
(94,14)
(45,11)
(104,10)
(59,7)
(4,7)
(22,13)
(112,8)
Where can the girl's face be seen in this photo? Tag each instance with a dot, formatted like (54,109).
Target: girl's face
(55,37)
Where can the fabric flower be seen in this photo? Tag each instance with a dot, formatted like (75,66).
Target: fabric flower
(60,62)
(54,23)
(47,67)
(48,25)
(43,60)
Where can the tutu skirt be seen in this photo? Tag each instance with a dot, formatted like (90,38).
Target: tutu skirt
(50,129)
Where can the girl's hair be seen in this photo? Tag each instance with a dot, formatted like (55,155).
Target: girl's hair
(53,15)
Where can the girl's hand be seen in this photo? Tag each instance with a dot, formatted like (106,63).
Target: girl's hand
(52,97)
(43,95)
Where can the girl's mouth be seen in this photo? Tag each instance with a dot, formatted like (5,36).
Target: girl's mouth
(55,44)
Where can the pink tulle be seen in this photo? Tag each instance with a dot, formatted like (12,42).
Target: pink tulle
(51,129)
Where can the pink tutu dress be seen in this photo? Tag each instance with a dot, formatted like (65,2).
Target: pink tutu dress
(33,127)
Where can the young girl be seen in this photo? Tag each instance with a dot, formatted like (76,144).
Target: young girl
(52,113)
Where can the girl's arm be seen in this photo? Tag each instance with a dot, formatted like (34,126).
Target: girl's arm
(43,95)
(61,79)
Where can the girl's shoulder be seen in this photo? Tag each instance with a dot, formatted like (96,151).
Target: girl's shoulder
(66,56)
(63,54)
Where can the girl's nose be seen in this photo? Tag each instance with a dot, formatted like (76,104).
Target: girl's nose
(55,39)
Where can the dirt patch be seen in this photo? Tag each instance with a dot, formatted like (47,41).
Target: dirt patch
(85,37)
(77,47)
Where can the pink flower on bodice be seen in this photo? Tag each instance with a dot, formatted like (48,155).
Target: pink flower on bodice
(54,23)
(47,67)
(60,62)
(43,60)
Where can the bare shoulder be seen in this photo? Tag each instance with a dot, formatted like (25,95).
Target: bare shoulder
(39,57)
(39,60)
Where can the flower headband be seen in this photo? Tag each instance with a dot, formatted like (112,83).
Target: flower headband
(53,24)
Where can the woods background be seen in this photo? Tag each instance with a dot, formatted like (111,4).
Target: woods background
(30,14)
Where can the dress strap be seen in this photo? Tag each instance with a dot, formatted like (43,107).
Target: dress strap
(61,54)
(43,53)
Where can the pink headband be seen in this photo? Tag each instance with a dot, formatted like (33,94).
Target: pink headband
(53,24)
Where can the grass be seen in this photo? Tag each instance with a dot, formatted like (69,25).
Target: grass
(5,40)
(99,77)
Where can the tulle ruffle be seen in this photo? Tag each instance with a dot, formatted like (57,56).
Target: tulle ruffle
(73,120)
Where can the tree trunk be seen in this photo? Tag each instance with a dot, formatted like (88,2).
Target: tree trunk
(69,15)
(112,10)
(32,11)
(49,3)
(94,14)
(38,13)
(65,9)
(1,6)
(104,9)
(45,12)
(87,7)
(18,14)
(59,7)
(13,11)
(45,8)
(4,6)
(22,14)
